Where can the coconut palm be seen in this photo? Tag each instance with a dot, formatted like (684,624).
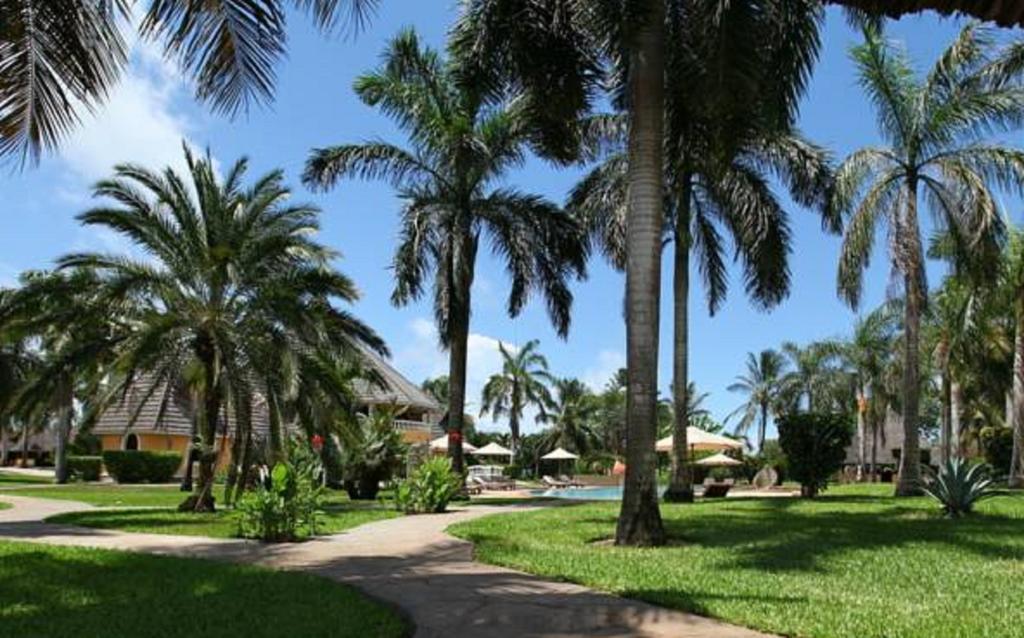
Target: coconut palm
(59,58)
(461,145)
(810,373)
(234,284)
(571,418)
(522,383)
(18,363)
(763,385)
(932,129)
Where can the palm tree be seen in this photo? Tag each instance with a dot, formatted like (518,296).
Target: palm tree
(18,363)
(521,383)
(1012,276)
(571,417)
(932,130)
(234,287)
(762,384)
(810,373)
(556,56)
(60,57)
(461,145)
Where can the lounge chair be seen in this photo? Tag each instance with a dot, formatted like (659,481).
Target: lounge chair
(716,490)
(550,482)
(494,485)
(566,479)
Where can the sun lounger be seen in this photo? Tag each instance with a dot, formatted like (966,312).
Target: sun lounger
(572,483)
(494,485)
(550,482)
(716,490)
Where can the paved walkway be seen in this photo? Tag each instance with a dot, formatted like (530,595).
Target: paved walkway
(408,562)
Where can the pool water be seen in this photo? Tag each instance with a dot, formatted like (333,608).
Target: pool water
(582,493)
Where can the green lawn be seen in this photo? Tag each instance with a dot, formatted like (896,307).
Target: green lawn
(222,524)
(58,591)
(13,478)
(856,563)
(107,495)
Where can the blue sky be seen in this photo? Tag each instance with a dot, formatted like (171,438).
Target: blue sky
(151,111)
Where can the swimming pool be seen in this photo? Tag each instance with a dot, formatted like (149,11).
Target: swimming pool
(613,493)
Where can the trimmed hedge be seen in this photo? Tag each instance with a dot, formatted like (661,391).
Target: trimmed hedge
(141,466)
(85,468)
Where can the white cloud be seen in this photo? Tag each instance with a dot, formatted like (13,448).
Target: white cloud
(608,363)
(423,358)
(140,122)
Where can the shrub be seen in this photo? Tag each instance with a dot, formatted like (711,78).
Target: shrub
(430,488)
(372,452)
(959,485)
(815,446)
(773,456)
(286,505)
(141,466)
(85,468)
(997,446)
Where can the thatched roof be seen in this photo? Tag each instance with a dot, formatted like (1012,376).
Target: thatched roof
(1006,13)
(399,390)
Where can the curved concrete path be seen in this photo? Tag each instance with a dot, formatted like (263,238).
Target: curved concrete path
(409,562)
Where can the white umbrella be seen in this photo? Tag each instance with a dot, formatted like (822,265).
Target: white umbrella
(440,444)
(492,449)
(559,454)
(718,460)
(699,440)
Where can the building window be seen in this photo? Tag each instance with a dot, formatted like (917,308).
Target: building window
(131,442)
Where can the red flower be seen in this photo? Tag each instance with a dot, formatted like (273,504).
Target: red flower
(318,442)
(455,436)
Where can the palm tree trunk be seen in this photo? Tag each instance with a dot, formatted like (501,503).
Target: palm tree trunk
(762,429)
(680,487)
(874,449)
(910,456)
(956,415)
(639,519)
(5,443)
(461,282)
(1016,478)
(64,419)
(946,417)
(513,427)
(24,445)
(202,500)
(862,434)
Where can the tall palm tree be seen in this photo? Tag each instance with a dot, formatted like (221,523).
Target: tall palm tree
(522,383)
(933,149)
(235,284)
(18,363)
(60,57)
(571,417)
(556,55)
(1012,280)
(762,383)
(462,144)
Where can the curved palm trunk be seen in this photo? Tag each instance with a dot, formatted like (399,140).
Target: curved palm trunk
(1016,479)
(910,456)
(680,488)
(639,519)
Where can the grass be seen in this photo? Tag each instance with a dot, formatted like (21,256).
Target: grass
(13,478)
(222,524)
(107,495)
(851,564)
(63,591)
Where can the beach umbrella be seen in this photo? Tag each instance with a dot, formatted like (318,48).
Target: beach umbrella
(699,440)
(492,449)
(440,444)
(559,455)
(718,460)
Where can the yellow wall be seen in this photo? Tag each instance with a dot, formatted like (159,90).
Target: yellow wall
(156,442)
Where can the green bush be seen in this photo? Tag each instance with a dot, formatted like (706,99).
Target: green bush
(958,486)
(141,466)
(372,452)
(997,446)
(773,456)
(815,445)
(430,488)
(85,468)
(286,505)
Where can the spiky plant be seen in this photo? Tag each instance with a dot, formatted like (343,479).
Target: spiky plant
(959,485)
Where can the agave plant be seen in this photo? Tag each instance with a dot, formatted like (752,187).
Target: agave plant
(959,485)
